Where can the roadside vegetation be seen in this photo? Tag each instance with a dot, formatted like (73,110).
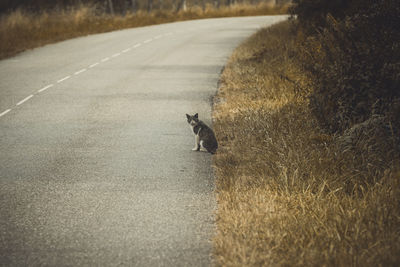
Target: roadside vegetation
(24,26)
(307,117)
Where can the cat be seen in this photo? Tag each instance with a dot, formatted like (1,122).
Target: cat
(204,136)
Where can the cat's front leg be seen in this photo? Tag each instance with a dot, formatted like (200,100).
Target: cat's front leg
(196,143)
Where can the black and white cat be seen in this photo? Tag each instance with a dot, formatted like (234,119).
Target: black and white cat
(204,137)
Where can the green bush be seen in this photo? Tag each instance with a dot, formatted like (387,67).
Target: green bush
(312,13)
(353,59)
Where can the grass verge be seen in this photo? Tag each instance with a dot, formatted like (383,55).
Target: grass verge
(288,193)
(22,30)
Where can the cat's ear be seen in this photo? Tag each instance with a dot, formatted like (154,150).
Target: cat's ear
(196,115)
(187,116)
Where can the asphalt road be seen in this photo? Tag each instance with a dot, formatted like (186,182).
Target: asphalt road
(96,167)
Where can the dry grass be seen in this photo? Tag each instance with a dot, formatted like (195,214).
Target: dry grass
(22,30)
(289,194)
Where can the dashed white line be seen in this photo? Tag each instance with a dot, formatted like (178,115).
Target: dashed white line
(76,73)
(5,112)
(94,65)
(45,88)
(80,71)
(85,69)
(63,79)
(24,100)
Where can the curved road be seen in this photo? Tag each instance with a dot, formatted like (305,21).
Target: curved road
(96,167)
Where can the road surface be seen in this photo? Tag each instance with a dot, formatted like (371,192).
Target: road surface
(96,167)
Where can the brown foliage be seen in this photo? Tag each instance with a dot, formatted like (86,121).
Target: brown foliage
(290,194)
(21,30)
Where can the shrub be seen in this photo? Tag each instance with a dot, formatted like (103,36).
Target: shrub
(354,63)
(312,13)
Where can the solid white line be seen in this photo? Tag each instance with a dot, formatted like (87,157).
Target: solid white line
(126,50)
(148,41)
(105,59)
(24,100)
(137,45)
(45,88)
(94,65)
(5,112)
(63,79)
(80,71)
(116,55)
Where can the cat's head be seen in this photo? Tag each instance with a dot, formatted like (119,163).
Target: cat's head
(193,120)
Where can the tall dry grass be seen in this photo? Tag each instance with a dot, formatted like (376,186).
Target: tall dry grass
(23,30)
(288,193)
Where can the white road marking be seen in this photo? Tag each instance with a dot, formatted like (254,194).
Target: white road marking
(63,79)
(24,100)
(5,112)
(80,71)
(91,66)
(85,69)
(45,88)
(94,65)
